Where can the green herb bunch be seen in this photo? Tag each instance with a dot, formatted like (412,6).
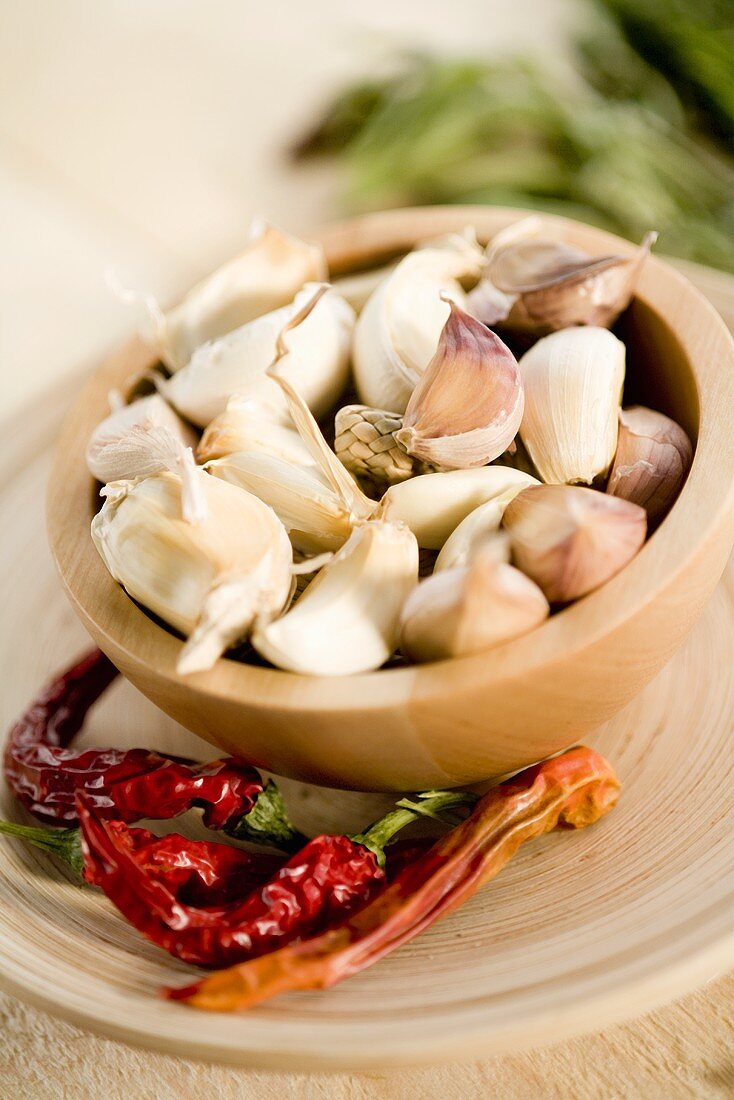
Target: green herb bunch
(636,134)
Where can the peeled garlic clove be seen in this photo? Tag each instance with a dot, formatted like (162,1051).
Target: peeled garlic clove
(249,425)
(653,457)
(271,270)
(469,609)
(573,387)
(365,443)
(236,364)
(109,455)
(468,404)
(570,540)
(347,619)
(556,285)
(433,505)
(398,330)
(315,517)
(481,524)
(209,581)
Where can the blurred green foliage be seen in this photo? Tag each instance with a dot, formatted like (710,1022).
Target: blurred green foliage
(637,135)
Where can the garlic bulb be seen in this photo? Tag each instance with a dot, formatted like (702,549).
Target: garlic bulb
(481,524)
(271,270)
(469,609)
(236,364)
(433,505)
(467,405)
(570,540)
(653,457)
(398,330)
(539,284)
(210,581)
(250,425)
(113,456)
(573,387)
(347,619)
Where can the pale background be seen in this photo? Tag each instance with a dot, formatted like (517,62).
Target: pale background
(145,134)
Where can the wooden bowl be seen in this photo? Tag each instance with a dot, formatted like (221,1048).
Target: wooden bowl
(464,720)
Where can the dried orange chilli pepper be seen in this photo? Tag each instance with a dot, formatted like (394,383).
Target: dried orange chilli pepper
(574,789)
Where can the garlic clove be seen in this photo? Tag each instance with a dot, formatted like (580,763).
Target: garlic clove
(110,456)
(556,286)
(347,619)
(365,444)
(469,609)
(653,457)
(250,425)
(317,503)
(488,304)
(467,406)
(398,330)
(473,531)
(433,505)
(357,288)
(315,517)
(286,362)
(271,270)
(204,580)
(236,364)
(569,540)
(573,383)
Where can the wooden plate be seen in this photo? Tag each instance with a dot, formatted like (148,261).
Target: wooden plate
(579,931)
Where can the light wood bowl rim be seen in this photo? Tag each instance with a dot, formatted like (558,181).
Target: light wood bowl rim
(704,503)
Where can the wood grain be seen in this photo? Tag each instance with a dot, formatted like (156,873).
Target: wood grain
(580,931)
(463,720)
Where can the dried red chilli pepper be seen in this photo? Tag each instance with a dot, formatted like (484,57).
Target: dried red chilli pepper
(44,774)
(198,872)
(327,879)
(201,872)
(574,789)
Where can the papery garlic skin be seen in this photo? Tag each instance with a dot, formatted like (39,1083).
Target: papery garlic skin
(569,540)
(653,458)
(347,619)
(236,364)
(107,456)
(469,609)
(398,330)
(314,515)
(433,505)
(573,383)
(209,581)
(250,425)
(468,404)
(271,270)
